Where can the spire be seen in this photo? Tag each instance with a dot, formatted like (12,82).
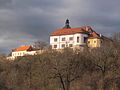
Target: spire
(67,26)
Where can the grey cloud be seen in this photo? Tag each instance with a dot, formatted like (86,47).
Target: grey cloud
(6,3)
(47,5)
(25,21)
(15,39)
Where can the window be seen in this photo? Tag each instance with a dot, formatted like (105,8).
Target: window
(70,45)
(63,45)
(78,39)
(88,41)
(63,39)
(85,39)
(55,39)
(71,38)
(55,46)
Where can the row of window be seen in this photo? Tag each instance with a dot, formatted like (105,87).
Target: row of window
(63,45)
(94,42)
(70,38)
(18,54)
(63,39)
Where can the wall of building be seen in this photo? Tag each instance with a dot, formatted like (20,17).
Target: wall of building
(95,42)
(67,42)
(22,53)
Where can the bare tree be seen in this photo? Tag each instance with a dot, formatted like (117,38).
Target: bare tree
(40,45)
(116,36)
(96,69)
(66,66)
(106,61)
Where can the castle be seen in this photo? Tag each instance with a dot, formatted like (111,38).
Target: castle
(66,37)
(72,37)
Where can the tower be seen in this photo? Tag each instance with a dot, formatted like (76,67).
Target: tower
(67,26)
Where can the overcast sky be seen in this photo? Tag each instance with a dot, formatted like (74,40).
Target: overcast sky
(23,22)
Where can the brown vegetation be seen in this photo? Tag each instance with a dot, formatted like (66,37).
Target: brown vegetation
(95,69)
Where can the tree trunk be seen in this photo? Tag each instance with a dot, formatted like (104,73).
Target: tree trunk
(101,83)
(68,82)
(62,82)
(68,86)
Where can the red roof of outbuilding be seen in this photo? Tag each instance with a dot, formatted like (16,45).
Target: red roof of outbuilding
(23,48)
(70,31)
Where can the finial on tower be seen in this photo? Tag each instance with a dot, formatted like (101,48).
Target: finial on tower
(67,26)
(67,22)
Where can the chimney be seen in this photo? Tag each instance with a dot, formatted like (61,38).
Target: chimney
(86,28)
(100,35)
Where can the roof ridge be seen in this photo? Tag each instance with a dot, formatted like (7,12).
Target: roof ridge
(22,48)
(70,31)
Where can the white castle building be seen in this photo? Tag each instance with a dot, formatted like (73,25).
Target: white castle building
(69,37)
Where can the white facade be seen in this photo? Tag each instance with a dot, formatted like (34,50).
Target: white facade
(21,53)
(59,42)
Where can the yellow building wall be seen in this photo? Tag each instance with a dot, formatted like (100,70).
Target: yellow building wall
(94,42)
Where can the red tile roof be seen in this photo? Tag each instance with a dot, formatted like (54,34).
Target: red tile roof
(94,35)
(100,36)
(86,30)
(23,48)
(70,31)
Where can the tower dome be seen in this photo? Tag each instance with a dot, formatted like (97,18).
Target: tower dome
(67,26)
